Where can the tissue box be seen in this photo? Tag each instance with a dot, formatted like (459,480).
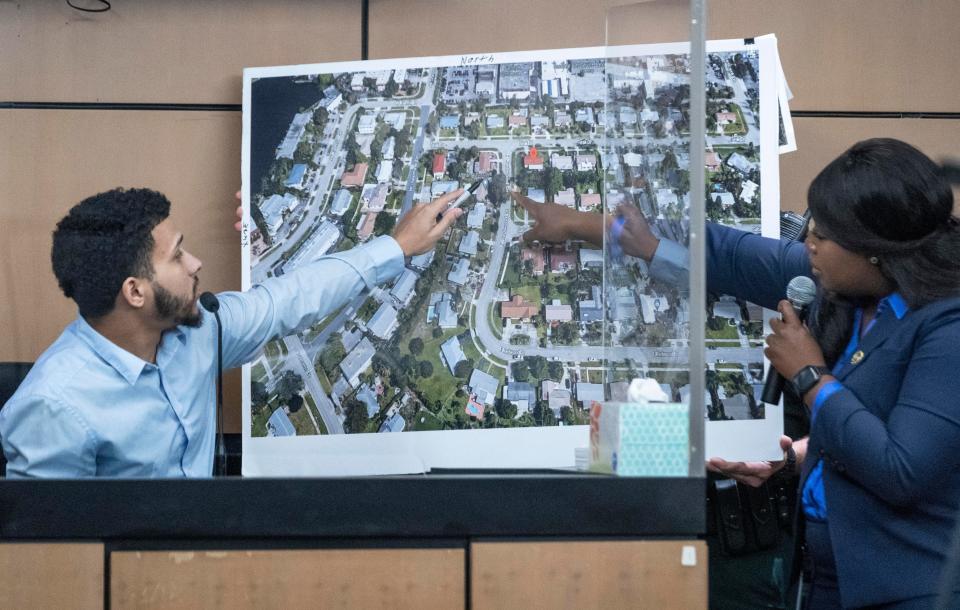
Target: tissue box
(640,439)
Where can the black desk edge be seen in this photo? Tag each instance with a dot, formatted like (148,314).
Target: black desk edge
(435,506)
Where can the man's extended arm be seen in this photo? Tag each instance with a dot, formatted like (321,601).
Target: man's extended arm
(282,306)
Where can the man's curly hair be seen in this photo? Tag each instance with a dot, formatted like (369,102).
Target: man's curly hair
(104,240)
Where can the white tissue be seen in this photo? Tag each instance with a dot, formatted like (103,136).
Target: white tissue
(645,390)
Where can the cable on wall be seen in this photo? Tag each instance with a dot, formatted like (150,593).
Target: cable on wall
(103,7)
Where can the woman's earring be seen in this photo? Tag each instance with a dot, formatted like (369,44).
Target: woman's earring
(874,260)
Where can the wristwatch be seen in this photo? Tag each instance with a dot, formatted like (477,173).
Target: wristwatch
(808,377)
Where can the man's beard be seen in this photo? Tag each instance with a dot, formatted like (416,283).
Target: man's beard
(179,309)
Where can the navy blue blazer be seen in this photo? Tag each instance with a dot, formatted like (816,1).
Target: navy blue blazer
(889,442)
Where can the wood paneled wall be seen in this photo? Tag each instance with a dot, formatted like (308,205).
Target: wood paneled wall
(176,51)
(68,576)
(589,574)
(495,574)
(288,579)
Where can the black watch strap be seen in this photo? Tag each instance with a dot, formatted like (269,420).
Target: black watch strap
(807,377)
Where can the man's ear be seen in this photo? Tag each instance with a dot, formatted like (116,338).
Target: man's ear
(133,292)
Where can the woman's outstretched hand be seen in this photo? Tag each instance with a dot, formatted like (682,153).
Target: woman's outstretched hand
(756,474)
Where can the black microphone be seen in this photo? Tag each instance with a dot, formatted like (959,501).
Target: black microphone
(209,301)
(801,291)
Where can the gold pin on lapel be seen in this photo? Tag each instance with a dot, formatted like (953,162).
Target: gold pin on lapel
(857,357)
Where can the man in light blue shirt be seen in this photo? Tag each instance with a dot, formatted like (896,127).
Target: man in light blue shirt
(128,389)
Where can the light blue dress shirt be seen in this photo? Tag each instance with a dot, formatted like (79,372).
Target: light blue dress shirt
(89,408)
(671,264)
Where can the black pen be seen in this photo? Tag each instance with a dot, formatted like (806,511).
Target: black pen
(463,197)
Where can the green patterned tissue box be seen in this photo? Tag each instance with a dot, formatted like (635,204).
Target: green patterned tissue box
(640,439)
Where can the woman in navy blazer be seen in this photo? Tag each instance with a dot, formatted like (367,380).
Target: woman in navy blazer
(878,366)
(881,479)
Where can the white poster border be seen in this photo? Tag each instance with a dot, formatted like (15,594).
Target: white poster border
(515,448)
(752,440)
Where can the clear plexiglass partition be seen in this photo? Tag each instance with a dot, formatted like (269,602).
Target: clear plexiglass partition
(653,271)
(691,140)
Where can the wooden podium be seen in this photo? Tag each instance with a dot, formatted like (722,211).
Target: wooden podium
(440,541)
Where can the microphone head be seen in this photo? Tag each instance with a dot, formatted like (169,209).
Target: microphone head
(210,302)
(801,291)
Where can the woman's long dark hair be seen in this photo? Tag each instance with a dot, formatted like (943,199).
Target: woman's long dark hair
(885,198)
